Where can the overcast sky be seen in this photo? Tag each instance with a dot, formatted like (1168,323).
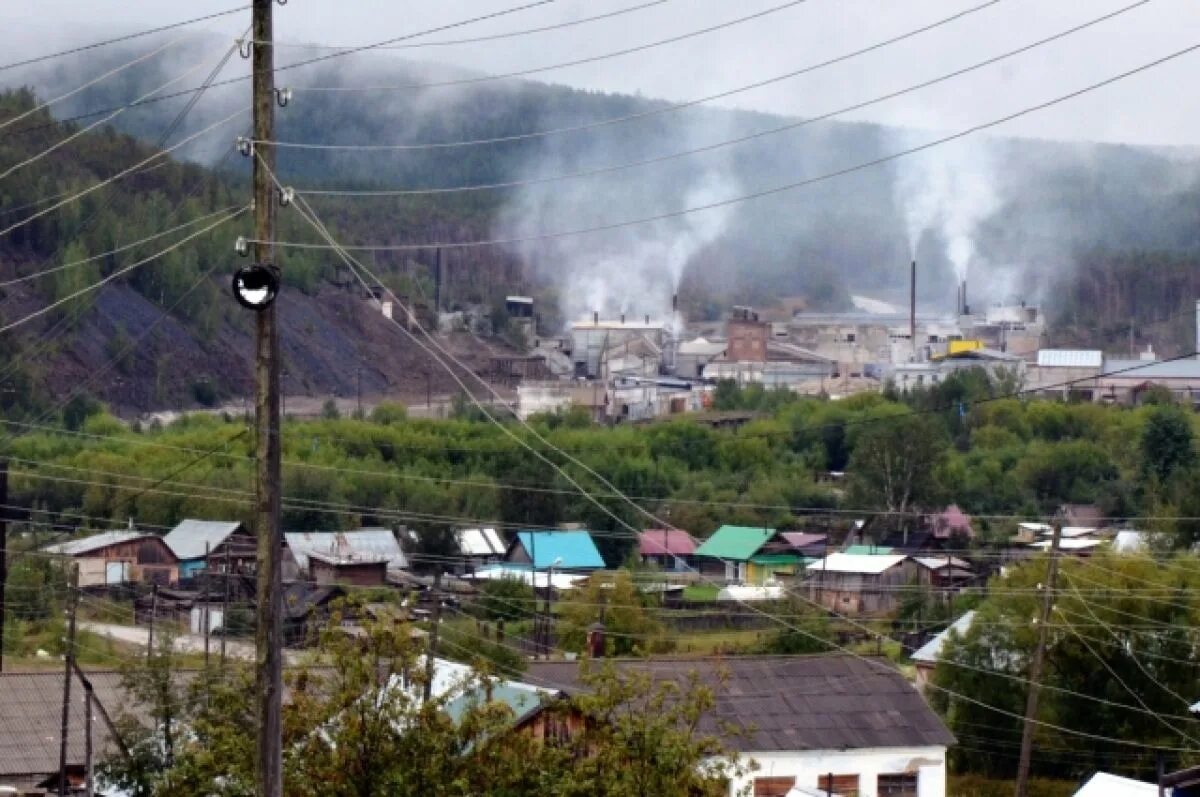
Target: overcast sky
(1157,107)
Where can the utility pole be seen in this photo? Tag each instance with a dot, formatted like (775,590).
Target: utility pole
(73,602)
(225,606)
(207,604)
(153,615)
(1035,666)
(433,634)
(3,550)
(89,781)
(268,642)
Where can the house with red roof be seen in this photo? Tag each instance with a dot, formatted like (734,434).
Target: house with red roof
(668,549)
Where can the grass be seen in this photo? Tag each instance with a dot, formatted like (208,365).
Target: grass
(710,643)
(701,592)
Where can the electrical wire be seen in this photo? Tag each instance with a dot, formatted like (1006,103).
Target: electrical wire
(566,64)
(804,122)
(662,109)
(119,272)
(780,189)
(127,37)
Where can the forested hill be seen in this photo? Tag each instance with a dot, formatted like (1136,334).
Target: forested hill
(163,332)
(1046,221)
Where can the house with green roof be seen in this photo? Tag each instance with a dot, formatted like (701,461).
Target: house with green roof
(748,555)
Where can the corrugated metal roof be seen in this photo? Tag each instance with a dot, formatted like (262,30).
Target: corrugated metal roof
(657,542)
(94,542)
(870,564)
(941,562)
(367,544)
(1138,370)
(188,539)
(931,651)
(575,548)
(785,703)
(867,550)
(738,543)
(480,542)
(1070,358)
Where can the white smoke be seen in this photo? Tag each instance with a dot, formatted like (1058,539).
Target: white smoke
(949,190)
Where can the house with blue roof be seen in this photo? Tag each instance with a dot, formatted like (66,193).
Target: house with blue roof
(566,550)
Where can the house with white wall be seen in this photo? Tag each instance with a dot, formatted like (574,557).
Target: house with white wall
(841,722)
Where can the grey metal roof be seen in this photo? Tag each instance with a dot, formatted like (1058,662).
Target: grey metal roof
(189,538)
(94,543)
(1139,370)
(1070,358)
(931,651)
(778,703)
(371,544)
(31,717)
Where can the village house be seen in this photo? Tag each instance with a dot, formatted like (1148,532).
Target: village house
(217,545)
(120,557)
(351,570)
(809,545)
(927,656)
(479,546)
(670,550)
(563,550)
(747,555)
(368,545)
(944,575)
(831,722)
(860,583)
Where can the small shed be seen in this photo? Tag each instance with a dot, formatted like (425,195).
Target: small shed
(860,584)
(198,542)
(351,570)
(565,550)
(668,549)
(120,557)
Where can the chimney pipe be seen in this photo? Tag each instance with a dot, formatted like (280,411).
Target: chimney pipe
(596,318)
(1198,329)
(622,318)
(912,310)
(966,308)
(647,319)
(674,302)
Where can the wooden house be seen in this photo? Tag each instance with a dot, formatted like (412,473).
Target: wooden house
(212,544)
(860,583)
(747,555)
(120,557)
(671,550)
(351,570)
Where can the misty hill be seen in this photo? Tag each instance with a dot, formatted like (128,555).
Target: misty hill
(1019,218)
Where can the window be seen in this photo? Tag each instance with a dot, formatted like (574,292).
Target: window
(773,787)
(903,784)
(841,785)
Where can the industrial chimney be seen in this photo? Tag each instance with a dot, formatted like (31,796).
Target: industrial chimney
(1198,329)
(675,302)
(595,318)
(964,307)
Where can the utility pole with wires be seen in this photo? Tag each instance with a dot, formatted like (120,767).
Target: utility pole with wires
(153,617)
(73,603)
(1035,666)
(431,654)
(225,606)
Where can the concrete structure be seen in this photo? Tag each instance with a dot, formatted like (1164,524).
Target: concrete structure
(591,339)
(746,337)
(692,355)
(859,584)
(120,557)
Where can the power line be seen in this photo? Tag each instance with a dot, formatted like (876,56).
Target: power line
(565,64)
(661,109)
(127,37)
(808,120)
(758,194)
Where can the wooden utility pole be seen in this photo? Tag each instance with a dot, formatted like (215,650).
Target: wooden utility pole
(73,602)
(153,617)
(225,606)
(3,551)
(431,655)
(268,641)
(89,780)
(1035,666)
(207,603)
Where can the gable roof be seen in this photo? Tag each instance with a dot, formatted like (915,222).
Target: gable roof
(659,542)
(780,703)
(480,542)
(931,651)
(300,598)
(735,542)
(942,562)
(803,539)
(188,539)
(869,564)
(95,542)
(1103,784)
(371,544)
(867,550)
(574,547)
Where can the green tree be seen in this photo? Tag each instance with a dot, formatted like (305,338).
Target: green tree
(615,601)
(507,599)
(895,462)
(1168,443)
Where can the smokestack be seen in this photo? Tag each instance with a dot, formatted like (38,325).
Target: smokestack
(912,309)
(622,318)
(647,319)
(595,318)
(966,308)
(675,302)
(1198,329)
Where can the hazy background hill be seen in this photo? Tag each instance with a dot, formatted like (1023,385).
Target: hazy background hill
(1103,235)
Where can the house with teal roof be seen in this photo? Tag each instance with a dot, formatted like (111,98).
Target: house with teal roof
(748,555)
(566,550)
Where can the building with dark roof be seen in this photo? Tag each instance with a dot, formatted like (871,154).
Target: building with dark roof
(804,719)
